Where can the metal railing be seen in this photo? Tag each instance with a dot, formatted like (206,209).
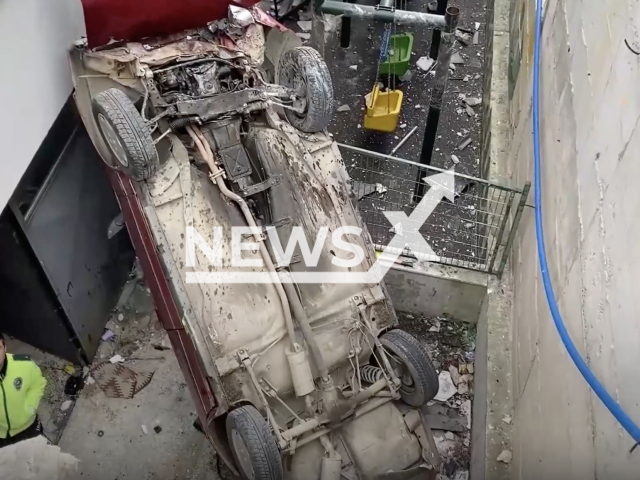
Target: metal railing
(474,232)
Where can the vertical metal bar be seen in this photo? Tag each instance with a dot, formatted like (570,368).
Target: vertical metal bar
(514,227)
(275,8)
(437,92)
(498,240)
(345,31)
(435,35)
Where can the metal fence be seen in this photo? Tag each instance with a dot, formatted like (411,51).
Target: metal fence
(475,231)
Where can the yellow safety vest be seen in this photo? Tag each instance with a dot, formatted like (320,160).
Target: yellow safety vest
(21,389)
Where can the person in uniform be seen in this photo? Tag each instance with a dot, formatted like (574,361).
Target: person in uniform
(21,389)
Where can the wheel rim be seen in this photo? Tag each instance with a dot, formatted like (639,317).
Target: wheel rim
(401,370)
(242,453)
(113,140)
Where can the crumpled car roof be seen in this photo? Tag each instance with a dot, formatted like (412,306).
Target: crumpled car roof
(116,20)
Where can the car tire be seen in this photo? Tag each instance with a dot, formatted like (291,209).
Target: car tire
(253,445)
(303,70)
(126,134)
(418,374)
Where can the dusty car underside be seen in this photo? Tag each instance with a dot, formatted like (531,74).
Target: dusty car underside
(312,380)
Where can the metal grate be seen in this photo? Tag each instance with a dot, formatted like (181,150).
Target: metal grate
(474,232)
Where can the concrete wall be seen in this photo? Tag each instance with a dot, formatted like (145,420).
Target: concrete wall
(35,80)
(590,112)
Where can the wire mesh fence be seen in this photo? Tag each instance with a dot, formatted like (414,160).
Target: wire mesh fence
(474,231)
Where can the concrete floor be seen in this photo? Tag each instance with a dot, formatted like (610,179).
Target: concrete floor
(106,434)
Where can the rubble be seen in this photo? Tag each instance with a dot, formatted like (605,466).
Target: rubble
(343,108)
(447,387)
(505,457)
(305,25)
(425,63)
(456,59)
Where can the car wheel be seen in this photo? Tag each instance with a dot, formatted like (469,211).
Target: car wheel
(303,71)
(126,134)
(253,445)
(414,367)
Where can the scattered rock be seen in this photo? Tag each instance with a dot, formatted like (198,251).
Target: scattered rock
(409,316)
(157,429)
(116,359)
(461,475)
(449,436)
(505,457)
(472,101)
(403,126)
(436,326)
(465,409)
(463,384)
(463,38)
(305,25)
(144,429)
(408,75)
(452,67)
(418,106)
(456,59)
(120,317)
(425,63)
(344,108)
(470,367)
(304,36)
(465,143)
(466,78)
(476,37)
(455,159)
(468,225)
(507,419)
(354,68)
(462,368)
(89,380)
(470,111)
(65,405)
(455,375)
(447,388)
(108,335)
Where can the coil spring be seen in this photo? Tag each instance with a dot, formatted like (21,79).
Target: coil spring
(180,123)
(371,374)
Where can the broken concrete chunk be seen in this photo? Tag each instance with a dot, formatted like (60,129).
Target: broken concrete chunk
(472,101)
(449,436)
(436,326)
(403,126)
(470,111)
(470,367)
(463,369)
(447,388)
(452,67)
(144,429)
(418,106)
(507,419)
(305,25)
(116,359)
(455,375)
(354,68)
(465,143)
(505,456)
(407,76)
(465,409)
(463,384)
(466,78)
(456,59)
(477,25)
(304,36)
(462,37)
(461,475)
(476,37)
(455,159)
(343,108)
(65,405)
(425,63)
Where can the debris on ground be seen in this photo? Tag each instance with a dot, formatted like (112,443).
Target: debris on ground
(472,101)
(157,429)
(354,68)
(65,405)
(116,359)
(465,143)
(425,63)
(463,37)
(118,381)
(344,108)
(452,349)
(456,59)
(144,429)
(305,25)
(407,76)
(108,335)
(505,456)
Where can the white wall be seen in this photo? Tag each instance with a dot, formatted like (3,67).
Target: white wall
(35,80)
(591,178)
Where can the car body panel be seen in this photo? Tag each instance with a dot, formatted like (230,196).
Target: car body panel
(117,20)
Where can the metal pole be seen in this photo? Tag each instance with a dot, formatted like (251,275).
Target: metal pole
(345,31)
(514,227)
(437,92)
(435,36)
(368,12)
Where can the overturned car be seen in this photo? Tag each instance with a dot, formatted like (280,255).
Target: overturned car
(292,378)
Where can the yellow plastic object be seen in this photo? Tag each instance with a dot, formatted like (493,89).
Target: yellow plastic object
(383,110)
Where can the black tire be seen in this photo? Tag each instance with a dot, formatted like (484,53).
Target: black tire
(253,445)
(419,377)
(126,134)
(303,70)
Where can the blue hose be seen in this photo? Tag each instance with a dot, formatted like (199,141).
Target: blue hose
(615,409)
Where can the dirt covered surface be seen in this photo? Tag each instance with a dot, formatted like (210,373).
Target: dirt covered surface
(451,344)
